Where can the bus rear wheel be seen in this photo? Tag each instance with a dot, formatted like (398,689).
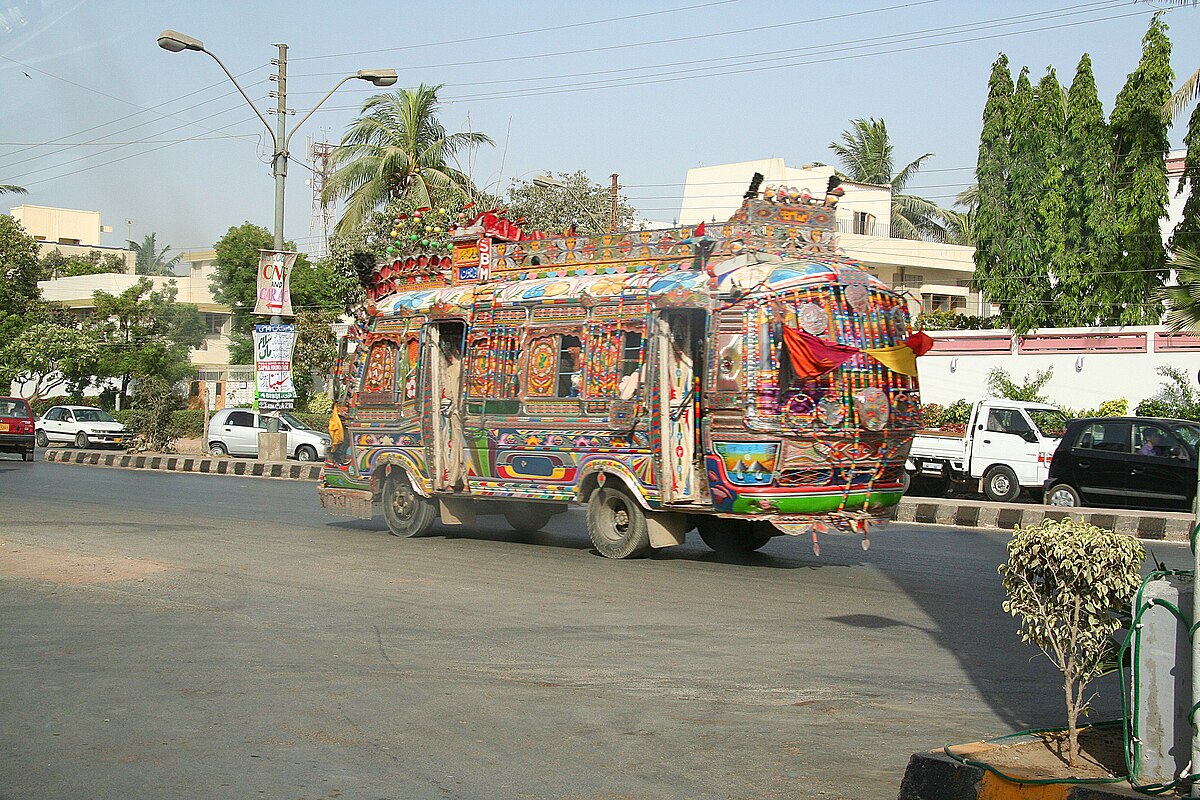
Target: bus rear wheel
(731,536)
(407,513)
(617,524)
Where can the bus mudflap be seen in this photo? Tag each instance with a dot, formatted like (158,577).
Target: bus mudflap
(346,502)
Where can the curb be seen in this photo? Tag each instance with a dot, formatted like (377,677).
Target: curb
(936,776)
(207,465)
(1165,526)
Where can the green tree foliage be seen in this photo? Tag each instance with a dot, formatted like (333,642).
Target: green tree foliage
(581,203)
(397,147)
(1070,584)
(1183,299)
(1050,123)
(1025,293)
(320,286)
(315,351)
(1090,242)
(94,262)
(1141,143)
(51,357)
(12,188)
(1187,233)
(1001,384)
(144,334)
(990,231)
(865,153)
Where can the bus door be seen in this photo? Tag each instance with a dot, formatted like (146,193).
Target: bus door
(677,356)
(442,362)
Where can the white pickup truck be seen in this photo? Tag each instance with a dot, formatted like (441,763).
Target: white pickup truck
(1007,447)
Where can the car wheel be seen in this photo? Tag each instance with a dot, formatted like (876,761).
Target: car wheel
(1061,494)
(1000,484)
(731,536)
(407,513)
(617,524)
(81,440)
(41,440)
(306,453)
(528,518)
(217,449)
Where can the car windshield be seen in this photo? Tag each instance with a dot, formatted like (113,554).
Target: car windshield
(1051,422)
(14,408)
(1189,433)
(91,415)
(295,423)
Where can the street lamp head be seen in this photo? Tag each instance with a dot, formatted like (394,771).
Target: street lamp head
(177,42)
(547,182)
(379,77)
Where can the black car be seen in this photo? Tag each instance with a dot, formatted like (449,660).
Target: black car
(1125,462)
(16,427)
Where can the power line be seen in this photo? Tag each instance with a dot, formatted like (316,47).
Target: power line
(99,143)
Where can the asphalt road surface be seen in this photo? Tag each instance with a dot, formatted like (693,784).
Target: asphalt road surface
(187,636)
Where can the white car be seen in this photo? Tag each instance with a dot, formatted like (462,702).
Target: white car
(82,426)
(234,431)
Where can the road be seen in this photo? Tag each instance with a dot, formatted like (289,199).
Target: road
(188,636)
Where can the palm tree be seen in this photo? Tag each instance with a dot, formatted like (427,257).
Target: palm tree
(1189,90)
(12,188)
(865,152)
(148,260)
(1183,300)
(397,148)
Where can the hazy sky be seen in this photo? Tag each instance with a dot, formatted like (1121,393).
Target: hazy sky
(93,112)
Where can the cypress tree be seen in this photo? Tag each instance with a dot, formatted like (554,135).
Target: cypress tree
(991,226)
(1050,118)
(1187,232)
(1025,288)
(1090,232)
(1140,145)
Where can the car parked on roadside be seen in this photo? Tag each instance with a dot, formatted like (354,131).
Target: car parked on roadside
(1125,462)
(234,431)
(83,426)
(16,427)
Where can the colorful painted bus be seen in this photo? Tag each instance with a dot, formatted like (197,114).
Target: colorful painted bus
(744,381)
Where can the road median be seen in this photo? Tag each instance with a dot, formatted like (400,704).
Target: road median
(953,512)
(185,462)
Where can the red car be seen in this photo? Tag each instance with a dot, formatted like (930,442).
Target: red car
(16,427)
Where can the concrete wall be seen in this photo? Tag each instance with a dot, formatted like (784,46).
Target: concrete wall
(1090,365)
(66,225)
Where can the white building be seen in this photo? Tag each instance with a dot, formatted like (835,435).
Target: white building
(70,231)
(938,276)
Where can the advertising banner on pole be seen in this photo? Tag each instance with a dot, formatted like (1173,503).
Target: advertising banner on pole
(273,346)
(275,283)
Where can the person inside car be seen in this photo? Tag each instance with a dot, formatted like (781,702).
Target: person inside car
(1153,445)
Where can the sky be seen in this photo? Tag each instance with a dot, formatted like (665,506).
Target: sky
(94,115)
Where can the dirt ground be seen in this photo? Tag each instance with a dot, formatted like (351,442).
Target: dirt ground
(20,560)
(1043,756)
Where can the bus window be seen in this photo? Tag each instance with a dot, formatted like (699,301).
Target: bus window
(555,366)
(406,376)
(492,364)
(379,375)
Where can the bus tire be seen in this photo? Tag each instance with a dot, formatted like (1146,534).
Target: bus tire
(617,524)
(1000,484)
(407,513)
(528,518)
(732,536)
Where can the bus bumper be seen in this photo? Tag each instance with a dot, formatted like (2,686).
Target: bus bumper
(346,502)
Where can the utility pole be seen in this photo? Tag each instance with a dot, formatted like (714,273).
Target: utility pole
(612,196)
(279,161)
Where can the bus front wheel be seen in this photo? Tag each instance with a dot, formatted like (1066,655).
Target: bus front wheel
(617,524)
(407,513)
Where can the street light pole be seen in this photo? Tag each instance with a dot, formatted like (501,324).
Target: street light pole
(177,42)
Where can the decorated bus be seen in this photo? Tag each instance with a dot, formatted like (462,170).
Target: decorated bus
(742,380)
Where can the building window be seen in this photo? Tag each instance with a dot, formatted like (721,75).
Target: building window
(63,240)
(214,324)
(863,222)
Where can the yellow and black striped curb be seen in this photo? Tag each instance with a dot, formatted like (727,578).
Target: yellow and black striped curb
(936,776)
(207,465)
(1156,525)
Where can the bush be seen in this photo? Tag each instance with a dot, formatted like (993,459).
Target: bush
(188,423)
(318,422)
(1176,398)
(1152,407)
(957,413)
(153,413)
(1071,584)
(932,415)
(320,404)
(46,403)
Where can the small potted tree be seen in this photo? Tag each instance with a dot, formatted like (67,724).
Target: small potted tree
(1071,584)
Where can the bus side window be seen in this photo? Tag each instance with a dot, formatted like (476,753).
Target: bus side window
(631,365)
(555,366)
(379,375)
(406,376)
